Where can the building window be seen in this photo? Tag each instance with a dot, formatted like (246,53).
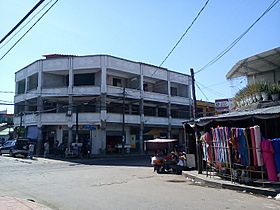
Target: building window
(145,87)
(200,112)
(117,82)
(162,112)
(21,87)
(84,79)
(174,91)
(32,82)
(149,111)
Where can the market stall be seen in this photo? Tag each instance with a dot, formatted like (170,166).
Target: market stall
(242,146)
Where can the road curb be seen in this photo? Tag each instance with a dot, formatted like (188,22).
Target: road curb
(231,186)
(7,203)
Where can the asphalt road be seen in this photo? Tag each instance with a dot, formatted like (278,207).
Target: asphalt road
(114,184)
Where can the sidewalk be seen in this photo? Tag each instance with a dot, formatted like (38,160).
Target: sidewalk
(217,182)
(8,203)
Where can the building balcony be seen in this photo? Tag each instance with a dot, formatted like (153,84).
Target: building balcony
(86,90)
(118,118)
(152,96)
(180,100)
(118,92)
(57,119)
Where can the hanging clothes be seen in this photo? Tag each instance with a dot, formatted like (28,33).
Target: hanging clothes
(208,147)
(257,134)
(249,146)
(268,158)
(234,145)
(254,146)
(227,144)
(276,147)
(243,151)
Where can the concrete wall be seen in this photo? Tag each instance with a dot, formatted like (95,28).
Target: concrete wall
(53,80)
(270,77)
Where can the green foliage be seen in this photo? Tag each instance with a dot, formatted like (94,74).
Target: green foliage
(274,88)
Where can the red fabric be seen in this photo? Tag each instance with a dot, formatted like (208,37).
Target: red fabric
(268,159)
(208,139)
(254,146)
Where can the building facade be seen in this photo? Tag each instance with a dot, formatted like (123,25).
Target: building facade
(205,108)
(102,100)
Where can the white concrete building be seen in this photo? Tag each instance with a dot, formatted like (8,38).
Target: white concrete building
(61,96)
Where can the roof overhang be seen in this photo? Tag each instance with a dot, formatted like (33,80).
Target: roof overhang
(263,113)
(257,64)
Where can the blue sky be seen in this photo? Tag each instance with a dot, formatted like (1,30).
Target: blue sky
(143,31)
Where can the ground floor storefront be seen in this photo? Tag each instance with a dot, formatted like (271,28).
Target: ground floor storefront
(94,139)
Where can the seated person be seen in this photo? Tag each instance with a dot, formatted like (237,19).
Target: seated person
(156,161)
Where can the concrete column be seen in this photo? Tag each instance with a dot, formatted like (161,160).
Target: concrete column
(71,76)
(103,74)
(39,125)
(156,111)
(70,131)
(70,123)
(103,104)
(141,110)
(169,104)
(40,77)
(169,119)
(70,102)
(39,143)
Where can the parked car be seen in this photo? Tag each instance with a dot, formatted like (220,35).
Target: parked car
(15,147)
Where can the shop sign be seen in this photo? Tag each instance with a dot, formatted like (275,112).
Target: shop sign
(223,105)
(89,127)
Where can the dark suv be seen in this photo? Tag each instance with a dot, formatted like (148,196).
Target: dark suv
(15,147)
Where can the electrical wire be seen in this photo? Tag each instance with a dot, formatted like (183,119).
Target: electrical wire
(21,21)
(26,24)
(28,30)
(210,89)
(184,33)
(201,91)
(225,51)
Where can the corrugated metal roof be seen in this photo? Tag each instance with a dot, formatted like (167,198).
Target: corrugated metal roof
(263,62)
(263,113)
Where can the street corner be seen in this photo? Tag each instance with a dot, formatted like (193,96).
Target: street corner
(7,203)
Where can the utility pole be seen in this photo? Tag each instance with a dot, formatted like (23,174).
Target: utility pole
(123,121)
(198,143)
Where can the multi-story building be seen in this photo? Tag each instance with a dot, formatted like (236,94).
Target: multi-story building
(101,99)
(205,108)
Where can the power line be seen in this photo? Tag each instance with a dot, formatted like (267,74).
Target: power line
(21,21)
(181,37)
(225,51)
(210,89)
(25,24)
(202,92)
(184,33)
(29,30)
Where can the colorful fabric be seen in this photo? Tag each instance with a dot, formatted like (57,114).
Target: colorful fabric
(276,147)
(257,133)
(268,159)
(254,146)
(243,151)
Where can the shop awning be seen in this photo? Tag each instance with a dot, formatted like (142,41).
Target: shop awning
(263,113)
(160,140)
(262,62)
(6,131)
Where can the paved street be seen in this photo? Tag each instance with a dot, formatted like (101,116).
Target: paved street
(114,184)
